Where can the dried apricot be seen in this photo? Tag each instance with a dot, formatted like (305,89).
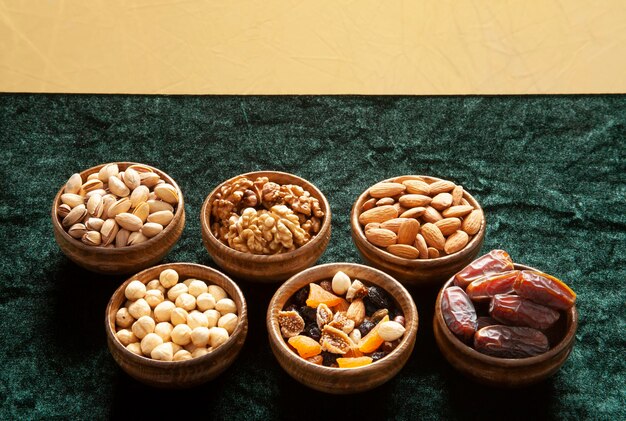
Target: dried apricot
(335,341)
(305,346)
(372,341)
(353,362)
(318,295)
(342,306)
(291,324)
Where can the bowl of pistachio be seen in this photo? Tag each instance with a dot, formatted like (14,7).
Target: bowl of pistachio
(265,226)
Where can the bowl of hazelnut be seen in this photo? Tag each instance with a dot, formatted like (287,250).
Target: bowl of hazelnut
(419,229)
(342,328)
(505,324)
(176,325)
(265,226)
(118,218)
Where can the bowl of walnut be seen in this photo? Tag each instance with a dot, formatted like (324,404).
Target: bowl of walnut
(419,229)
(265,226)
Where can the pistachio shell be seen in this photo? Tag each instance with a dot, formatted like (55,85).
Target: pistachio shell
(120,206)
(63,210)
(76,215)
(129,221)
(94,205)
(107,171)
(142,211)
(121,239)
(90,185)
(92,238)
(159,205)
(109,231)
(149,179)
(118,188)
(140,168)
(77,230)
(161,217)
(139,194)
(100,192)
(94,224)
(73,184)
(167,192)
(93,176)
(72,200)
(136,238)
(151,229)
(131,179)
(107,201)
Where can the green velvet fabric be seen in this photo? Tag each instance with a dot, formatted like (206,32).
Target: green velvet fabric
(550,173)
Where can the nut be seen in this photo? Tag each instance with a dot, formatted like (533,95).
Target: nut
(473,221)
(381,237)
(457,211)
(340,283)
(441,186)
(403,250)
(448,226)
(417,187)
(456,242)
(73,184)
(408,231)
(391,331)
(386,190)
(379,214)
(414,200)
(433,236)
(357,290)
(167,193)
(421,246)
(129,221)
(441,201)
(356,311)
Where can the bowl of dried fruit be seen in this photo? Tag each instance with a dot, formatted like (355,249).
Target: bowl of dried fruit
(118,218)
(265,226)
(342,327)
(505,324)
(419,229)
(176,325)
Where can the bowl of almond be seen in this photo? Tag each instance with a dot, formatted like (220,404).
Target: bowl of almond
(419,229)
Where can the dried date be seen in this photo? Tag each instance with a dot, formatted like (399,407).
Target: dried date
(544,289)
(483,289)
(510,342)
(496,261)
(459,313)
(517,311)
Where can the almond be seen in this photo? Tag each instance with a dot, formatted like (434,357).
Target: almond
(421,246)
(465,202)
(457,195)
(456,211)
(356,311)
(403,250)
(381,237)
(448,226)
(369,204)
(385,201)
(473,221)
(456,242)
(403,178)
(408,230)
(393,224)
(431,215)
(441,201)
(372,225)
(413,212)
(386,189)
(413,200)
(417,187)
(433,236)
(433,253)
(399,208)
(441,186)
(379,214)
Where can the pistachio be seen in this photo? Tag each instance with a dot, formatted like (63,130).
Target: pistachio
(161,217)
(118,188)
(73,184)
(63,210)
(120,206)
(136,238)
(93,176)
(107,171)
(140,168)
(121,239)
(107,201)
(151,229)
(139,194)
(129,221)
(92,238)
(167,192)
(95,205)
(90,185)
(100,192)
(131,179)
(159,205)
(94,224)
(76,214)
(72,200)
(149,179)
(109,230)
(142,211)
(77,230)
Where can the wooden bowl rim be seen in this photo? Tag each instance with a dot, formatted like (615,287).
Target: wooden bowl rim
(507,362)
(180,208)
(260,258)
(140,359)
(402,261)
(404,346)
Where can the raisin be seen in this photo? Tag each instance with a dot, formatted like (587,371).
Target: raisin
(377,356)
(510,342)
(300,297)
(379,315)
(399,319)
(365,327)
(370,307)
(495,261)
(390,346)
(312,331)
(545,289)
(291,307)
(329,358)
(484,288)
(517,311)
(309,314)
(378,296)
(327,285)
(459,313)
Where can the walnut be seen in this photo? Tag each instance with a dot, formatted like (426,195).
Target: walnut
(271,194)
(229,196)
(290,220)
(301,200)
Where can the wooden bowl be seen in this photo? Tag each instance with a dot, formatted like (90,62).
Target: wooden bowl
(129,259)
(178,374)
(261,268)
(418,272)
(507,372)
(342,380)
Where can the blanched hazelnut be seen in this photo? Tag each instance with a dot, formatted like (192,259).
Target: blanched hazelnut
(176,290)
(219,335)
(139,308)
(212,317)
(186,301)
(181,334)
(155,284)
(196,319)
(149,342)
(175,347)
(205,301)
(199,352)
(229,322)
(182,355)
(126,337)
(179,316)
(217,292)
(197,287)
(341,282)
(135,290)
(188,281)
(163,311)
(200,336)
(163,352)
(154,297)
(123,318)
(143,326)
(226,305)
(190,347)
(135,348)
(164,330)
(168,278)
